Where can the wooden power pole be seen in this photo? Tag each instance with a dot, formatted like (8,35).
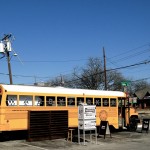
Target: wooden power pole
(7,50)
(105,76)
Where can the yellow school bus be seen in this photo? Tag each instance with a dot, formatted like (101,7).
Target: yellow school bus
(17,100)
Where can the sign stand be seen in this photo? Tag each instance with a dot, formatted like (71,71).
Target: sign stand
(104,128)
(145,125)
(84,135)
(86,120)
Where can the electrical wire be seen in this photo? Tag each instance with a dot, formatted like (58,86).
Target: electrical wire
(118,68)
(131,50)
(123,67)
(51,61)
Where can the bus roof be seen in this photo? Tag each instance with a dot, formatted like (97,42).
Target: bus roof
(60,90)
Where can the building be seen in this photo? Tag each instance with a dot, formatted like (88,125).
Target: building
(143,98)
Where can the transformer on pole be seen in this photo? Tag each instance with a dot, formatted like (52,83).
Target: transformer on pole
(5,49)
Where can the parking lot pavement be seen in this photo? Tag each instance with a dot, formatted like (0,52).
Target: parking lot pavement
(119,141)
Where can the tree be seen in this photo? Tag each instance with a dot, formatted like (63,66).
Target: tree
(139,85)
(114,79)
(91,76)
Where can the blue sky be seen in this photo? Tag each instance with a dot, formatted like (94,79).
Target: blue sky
(52,37)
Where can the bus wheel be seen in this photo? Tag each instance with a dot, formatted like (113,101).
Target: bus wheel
(133,124)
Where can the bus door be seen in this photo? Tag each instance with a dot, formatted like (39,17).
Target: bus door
(123,112)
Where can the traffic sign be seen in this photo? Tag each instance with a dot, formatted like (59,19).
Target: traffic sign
(125,83)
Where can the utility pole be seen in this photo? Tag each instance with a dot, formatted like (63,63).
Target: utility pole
(7,50)
(62,80)
(9,67)
(105,76)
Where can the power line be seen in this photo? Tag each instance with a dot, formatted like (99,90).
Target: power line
(120,59)
(131,50)
(141,79)
(51,61)
(137,64)
(24,76)
(118,68)
(132,55)
(125,55)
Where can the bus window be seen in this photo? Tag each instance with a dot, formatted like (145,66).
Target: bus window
(80,100)
(71,101)
(121,101)
(25,100)
(113,102)
(39,101)
(11,100)
(97,101)
(89,101)
(0,99)
(105,102)
(50,101)
(61,101)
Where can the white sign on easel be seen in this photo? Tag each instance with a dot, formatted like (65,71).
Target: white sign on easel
(86,119)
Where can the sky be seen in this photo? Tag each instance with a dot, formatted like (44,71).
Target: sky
(52,37)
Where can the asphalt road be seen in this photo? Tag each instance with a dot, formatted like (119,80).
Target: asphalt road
(119,141)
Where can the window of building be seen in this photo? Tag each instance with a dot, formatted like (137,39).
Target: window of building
(113,102)
(71,101)
(11,100)
(105,102)
(50,101)
(39,101)
(61,101)
(89,101)
(97,101)
(25,100)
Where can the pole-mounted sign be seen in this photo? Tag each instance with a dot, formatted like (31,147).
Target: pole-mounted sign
(125,83)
